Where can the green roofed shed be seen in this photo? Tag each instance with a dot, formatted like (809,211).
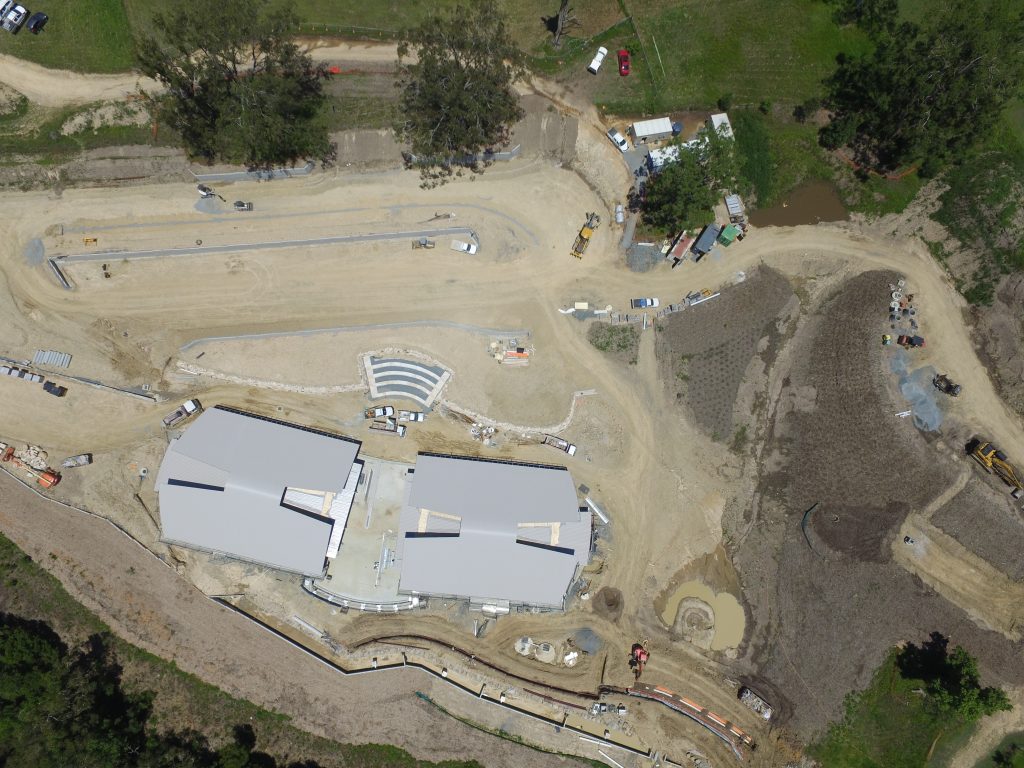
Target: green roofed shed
(728,234)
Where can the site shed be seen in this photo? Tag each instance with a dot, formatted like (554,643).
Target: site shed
(651,130)
(706,241)
(734,204)
(720,123)
(728,234)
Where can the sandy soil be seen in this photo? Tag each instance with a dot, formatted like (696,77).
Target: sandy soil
(665,485)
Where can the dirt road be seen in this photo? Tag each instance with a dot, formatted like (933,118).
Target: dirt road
(62,88)
(661,479)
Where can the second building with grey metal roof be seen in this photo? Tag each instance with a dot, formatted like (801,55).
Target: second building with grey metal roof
(495,532)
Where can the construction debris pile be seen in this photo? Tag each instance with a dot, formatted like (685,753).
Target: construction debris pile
(903,318)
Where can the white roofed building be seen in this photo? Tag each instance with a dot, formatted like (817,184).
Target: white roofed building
(258,489)
(497,533)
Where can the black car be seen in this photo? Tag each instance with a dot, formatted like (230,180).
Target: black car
(36,22)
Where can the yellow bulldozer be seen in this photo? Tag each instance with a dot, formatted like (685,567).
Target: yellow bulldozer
(994,460)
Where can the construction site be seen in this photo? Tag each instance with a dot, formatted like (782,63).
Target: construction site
(385,468)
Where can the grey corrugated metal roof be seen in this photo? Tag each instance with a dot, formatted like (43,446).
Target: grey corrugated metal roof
(484,561)
(253,460)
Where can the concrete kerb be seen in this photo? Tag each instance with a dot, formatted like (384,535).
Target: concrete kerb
(268,175)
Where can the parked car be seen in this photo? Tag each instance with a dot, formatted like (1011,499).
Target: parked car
(379,412)
(411,416)
(595,63)
(618,140)
(463,247)
(36,22)
(643,303)
(623,62)
(12,16)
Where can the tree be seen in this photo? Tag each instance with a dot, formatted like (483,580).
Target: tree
(238,88)
(952,679)
(457,97)
(876,17)
(679,198)
(562,22)
(928,94)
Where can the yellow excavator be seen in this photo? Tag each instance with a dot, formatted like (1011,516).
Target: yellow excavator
(994,460)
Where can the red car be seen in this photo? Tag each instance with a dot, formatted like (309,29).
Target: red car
(623,62)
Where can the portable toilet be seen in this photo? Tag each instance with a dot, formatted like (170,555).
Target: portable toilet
(728,234)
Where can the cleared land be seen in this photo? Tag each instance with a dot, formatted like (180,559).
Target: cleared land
(800,381)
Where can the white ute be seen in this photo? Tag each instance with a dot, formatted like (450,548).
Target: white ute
(595,63)
(464,247)
(411,416)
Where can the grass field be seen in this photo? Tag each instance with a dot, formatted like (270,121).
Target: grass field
(690,53)
(182,701)
(887,725)
(82,35)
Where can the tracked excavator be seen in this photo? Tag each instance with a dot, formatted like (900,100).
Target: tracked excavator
(994,460)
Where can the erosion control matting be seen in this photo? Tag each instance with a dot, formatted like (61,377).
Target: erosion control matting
(705,350)
(825,618)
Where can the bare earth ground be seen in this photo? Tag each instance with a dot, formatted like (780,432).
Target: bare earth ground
(806,376)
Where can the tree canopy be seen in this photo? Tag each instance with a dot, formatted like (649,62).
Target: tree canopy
(456,74)
(927,94)
(683,193)
(65,707)
(952,678)
(238,88)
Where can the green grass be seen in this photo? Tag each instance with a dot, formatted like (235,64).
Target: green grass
(755,50)
(182,700)
(777,155)
(82,35)
(36,132)
(887,725)
(877,196)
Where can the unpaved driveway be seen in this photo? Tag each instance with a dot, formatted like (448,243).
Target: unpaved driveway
(61,88)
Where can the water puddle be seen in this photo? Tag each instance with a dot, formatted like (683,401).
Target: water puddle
(809,204)
(725,619)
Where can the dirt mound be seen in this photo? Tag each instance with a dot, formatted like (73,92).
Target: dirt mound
(863,532)
(608,603)
(705,351)
(844,449)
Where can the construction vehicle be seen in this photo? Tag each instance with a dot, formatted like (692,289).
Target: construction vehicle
(994,460)
(944,384)
(423,243)
(182,412)
(389,425)
(242,205)
(586,232)
(47,478)
(638,658)
(560,444)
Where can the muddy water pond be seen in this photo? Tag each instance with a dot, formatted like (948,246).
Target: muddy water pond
(809,204)
(729,618)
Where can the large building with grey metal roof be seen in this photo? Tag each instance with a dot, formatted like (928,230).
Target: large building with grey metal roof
(501,534)
(258,489)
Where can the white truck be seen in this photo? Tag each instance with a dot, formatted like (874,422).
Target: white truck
(390,426)
(379,412)
(595,63)
(560,444)
(463,247)
(411,416)
(186,410)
